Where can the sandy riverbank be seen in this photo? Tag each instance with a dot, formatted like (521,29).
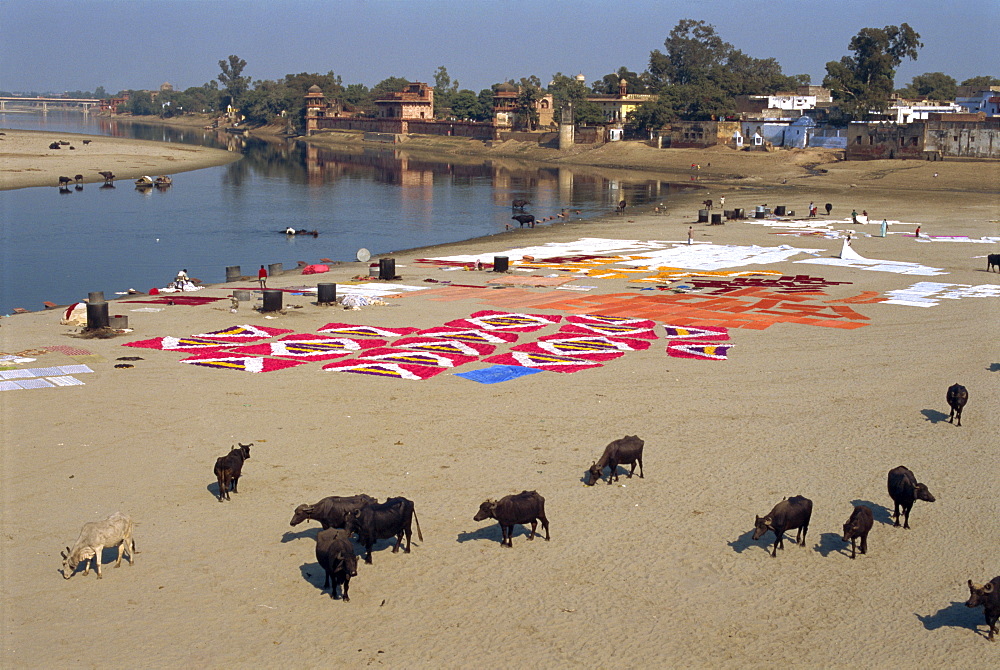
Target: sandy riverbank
(26,159)
(657,571)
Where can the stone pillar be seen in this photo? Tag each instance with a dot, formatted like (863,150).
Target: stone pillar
(566,128)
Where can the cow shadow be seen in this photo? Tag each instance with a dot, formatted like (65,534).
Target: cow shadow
(880,513)
(316,576)
(933,415)
(214,489)
(994,367)
(956,615)
(492,532)
(292,535)
(830,543)
(745,541)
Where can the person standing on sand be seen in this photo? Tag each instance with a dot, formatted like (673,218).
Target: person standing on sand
(885,227)
(722,201)
(812,208)
(262,277)
(917,232)
(690,234)
(854,216)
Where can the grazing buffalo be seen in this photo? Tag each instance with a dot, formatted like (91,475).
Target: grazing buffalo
(336,556)
(525,507)
(228,469)
(519,204)
(381,521)
(625,451)
(64,181)
(620,209)
(789,514)
(987,596)
(957,396)
(333,511)
(991,260)
(707,203)
(829,208)
(108,175)
(904,491)
(115,531)
(523,219)
(859,525)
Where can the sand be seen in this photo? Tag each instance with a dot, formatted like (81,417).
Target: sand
(26,160)
(652,572)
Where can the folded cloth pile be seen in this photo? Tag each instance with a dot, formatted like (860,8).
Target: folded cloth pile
(359,301)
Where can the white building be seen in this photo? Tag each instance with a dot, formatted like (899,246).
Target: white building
(986,100)
(908,111)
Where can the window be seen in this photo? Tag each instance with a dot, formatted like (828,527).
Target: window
(857,140)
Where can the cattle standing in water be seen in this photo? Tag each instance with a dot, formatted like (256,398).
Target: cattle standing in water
(519,204)
(625,451)
(336,556)
(115,531)
(987,596)
(229,468)
(789,514)
(332,511)
(381,521)
(904,491)
(859,525)
(524,219)
(957,396)
(991,260)
(524,508)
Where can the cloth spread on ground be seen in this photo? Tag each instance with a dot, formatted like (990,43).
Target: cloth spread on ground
(491,320)
(241,363)
(856,261)
(54,371)
(590,347)
(244,333)
(928,294)
(415,357)
(445,346)
(350,330)
(470,335)
(178,300)
(386,369)
(530,281)
(543,361)
(179,344)
(706,351)
(696,332)
(497,373)
(309,347)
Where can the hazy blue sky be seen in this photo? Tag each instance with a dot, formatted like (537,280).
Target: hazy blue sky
(49,45)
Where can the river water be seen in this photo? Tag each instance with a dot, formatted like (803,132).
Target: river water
(59,245)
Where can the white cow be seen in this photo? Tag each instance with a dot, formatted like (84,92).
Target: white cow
(115,531)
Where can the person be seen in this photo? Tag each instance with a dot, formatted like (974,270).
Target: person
(812,208)
(864,213)
(854,216)
(722,201)
(918,232)
(182,276)
(885,227)
(262,277)
(690,234)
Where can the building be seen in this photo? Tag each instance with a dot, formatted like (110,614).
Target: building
(698,134)
(875,140)
(505,111)
(973,100)
(908,111)
(783,104)
(617,108)
(963,135)
(416,101)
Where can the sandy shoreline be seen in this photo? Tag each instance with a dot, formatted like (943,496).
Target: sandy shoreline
(658,571)
(26,160)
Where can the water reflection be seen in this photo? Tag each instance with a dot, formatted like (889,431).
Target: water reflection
(383,198)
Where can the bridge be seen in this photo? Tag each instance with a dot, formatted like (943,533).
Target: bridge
(45,103)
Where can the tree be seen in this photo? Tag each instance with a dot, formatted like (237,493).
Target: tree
(99,92)
(863,82)
(485,98)
(693,48)
(566,90)
(389,85)
(526,108)
(232,79)
(444,92)
(931,86)
(140,103)
(608,84)
(982,82)
(465,105)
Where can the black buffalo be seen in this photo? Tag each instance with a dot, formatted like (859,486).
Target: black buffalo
(991,260)
(904,491)
(381,521)
(620,209)
(987,596)
(789,514)
(859,525)
(525,507)
(957,396)
(331,512)
(336,556)
(519,204)
(229,468)
(624,451)
(523,219)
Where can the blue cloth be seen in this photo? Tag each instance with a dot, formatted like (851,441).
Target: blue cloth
(497,373)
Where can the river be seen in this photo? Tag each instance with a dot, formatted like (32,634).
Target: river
(58,246)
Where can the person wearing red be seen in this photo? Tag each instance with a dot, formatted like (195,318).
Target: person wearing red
(262,277)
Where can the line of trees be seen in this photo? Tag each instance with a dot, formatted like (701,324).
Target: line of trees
(697,76)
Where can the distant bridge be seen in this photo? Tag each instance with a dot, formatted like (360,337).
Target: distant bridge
(45,103)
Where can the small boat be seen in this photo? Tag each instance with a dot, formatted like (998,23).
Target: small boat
(163,180)
(144,181)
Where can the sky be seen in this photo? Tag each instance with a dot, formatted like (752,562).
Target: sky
(56,45)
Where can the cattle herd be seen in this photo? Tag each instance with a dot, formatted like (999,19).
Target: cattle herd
(371,521)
